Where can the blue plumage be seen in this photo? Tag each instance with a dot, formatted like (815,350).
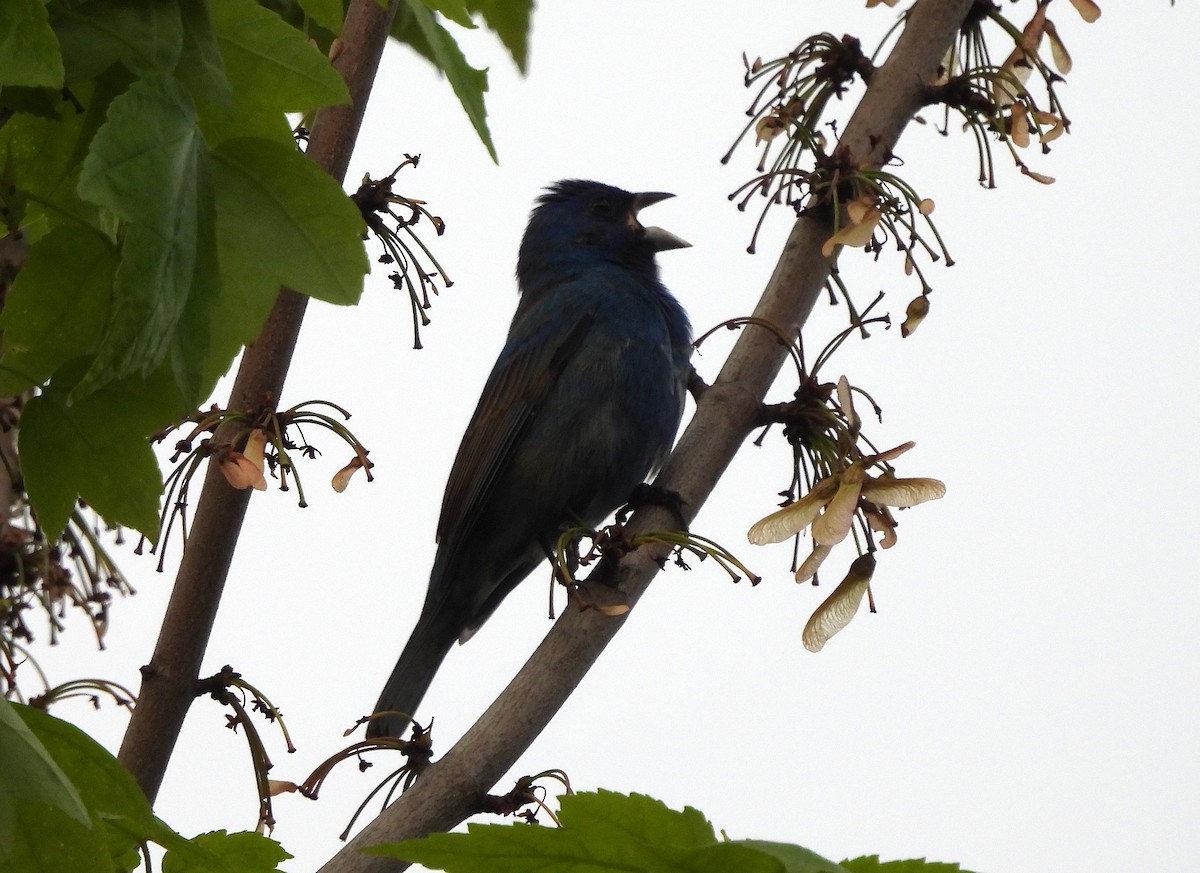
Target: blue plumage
(582,404)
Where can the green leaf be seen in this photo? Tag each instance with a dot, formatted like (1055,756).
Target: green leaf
(455,10)
(243,121)
(280,221)
(504,849)
(601,831)
(97,448)
(201,68)
(468,83)
(725,857)
(195,360)
(28,45)
(243,852)
(28,773)
(120,812)
(609,815)
(145,37)
(143,165)
(270,63)
(329,14)
(406,30)
(40,157)
(47,841)
(509,20)
(795,859)
(872,864)
(151,291)
(56,307)
(42,102)
(107,789)
(44,822)
(146,144)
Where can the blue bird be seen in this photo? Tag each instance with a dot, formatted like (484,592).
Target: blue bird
(582,404)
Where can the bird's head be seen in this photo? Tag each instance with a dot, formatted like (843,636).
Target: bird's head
(577,223)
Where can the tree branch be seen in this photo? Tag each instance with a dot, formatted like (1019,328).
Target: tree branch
(449,791)
(169,680)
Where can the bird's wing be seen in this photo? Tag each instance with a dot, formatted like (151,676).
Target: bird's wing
(526,372)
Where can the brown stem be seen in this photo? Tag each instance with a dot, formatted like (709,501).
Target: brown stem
(169,680)
(451,789)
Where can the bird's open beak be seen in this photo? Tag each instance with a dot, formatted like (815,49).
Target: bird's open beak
(662,240)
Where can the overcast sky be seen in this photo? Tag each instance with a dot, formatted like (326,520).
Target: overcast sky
(1026,696)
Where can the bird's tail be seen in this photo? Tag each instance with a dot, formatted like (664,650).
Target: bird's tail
(419,662)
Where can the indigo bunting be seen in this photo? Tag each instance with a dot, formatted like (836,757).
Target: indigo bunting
(582,404)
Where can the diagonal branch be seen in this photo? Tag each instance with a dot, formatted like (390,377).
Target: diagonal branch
(169,680)
(449,791)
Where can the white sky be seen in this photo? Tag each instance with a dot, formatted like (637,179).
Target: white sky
(1026,697)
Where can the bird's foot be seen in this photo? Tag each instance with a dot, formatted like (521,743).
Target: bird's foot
(653,495)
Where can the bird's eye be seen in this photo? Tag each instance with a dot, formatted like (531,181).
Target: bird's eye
(602,207)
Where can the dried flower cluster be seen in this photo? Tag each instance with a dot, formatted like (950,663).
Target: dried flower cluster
(842,488)
(802,164)
(248,446)
(375,199)
(47,578)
